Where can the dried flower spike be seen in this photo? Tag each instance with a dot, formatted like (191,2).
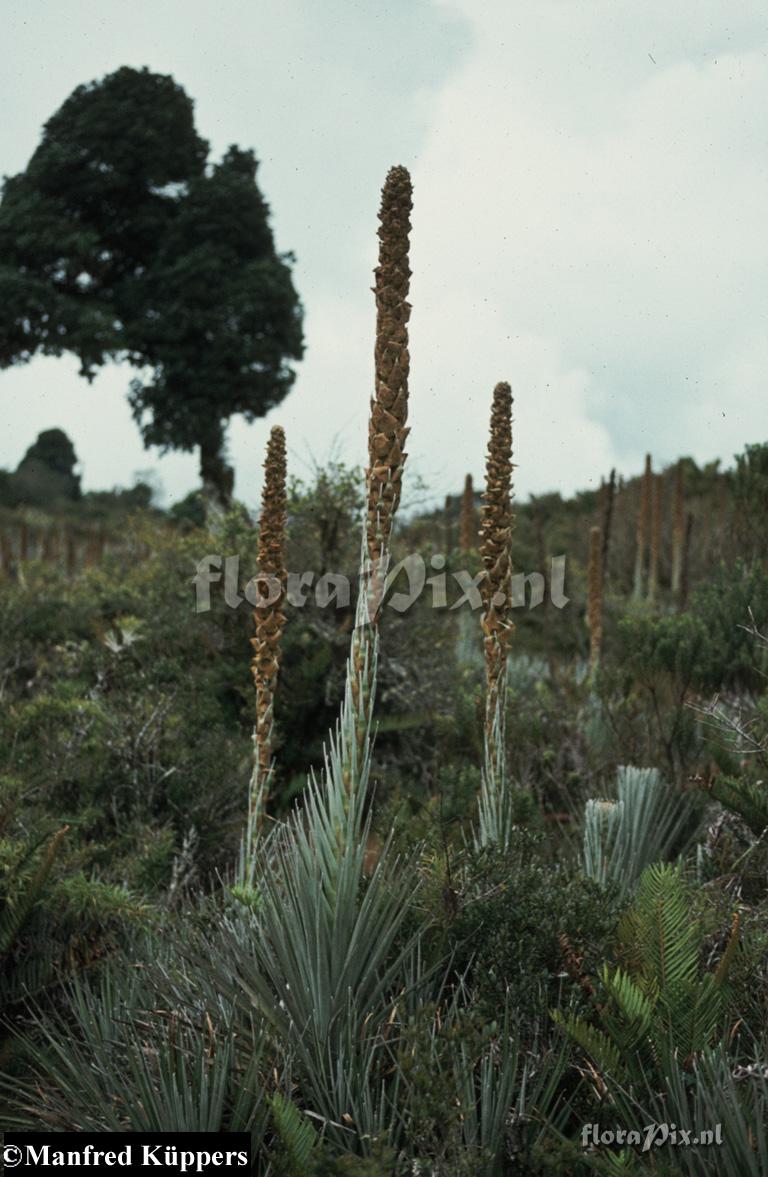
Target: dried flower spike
(269,619)
(496,539)
(678,529)
(642,528)
(389,407)
(653,567)
(468,526)
(608,501)
(595,599)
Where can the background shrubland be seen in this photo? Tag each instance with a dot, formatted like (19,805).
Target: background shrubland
(126,749)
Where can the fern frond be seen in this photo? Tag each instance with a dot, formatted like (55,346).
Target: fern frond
(749,799)
(18,908)
(297,1136)
(667,937)
(592,1041)
(634,1006)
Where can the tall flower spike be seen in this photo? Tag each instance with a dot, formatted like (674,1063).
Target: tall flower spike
(496,537)
(269,619)
(495,810)
(595,599)
(609,498)
(642,528)
(389,407)
(653,567)
(468,528)
(678,530)
(387,432)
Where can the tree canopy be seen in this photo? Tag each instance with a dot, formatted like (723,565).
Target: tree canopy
(46,474)
(119,240)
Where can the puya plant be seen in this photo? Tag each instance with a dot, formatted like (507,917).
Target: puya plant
(320,955)
(644,823)
(655,1003)
(269,621)
(329,960)
(729,1103)
(495,803)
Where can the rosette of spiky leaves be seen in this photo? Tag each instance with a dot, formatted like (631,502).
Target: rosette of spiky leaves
(269,619)
(389,407)
(143,1054)
(644,821)
(727,1103)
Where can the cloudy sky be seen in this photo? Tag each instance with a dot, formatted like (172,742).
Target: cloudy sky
(590,192)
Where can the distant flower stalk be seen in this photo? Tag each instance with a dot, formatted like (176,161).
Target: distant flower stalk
(269,619)
(495,551)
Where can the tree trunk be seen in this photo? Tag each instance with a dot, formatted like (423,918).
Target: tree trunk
(217,477)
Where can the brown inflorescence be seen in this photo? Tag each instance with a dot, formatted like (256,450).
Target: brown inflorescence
(468,526)
(678,529)
(389,406)
(642,528)
(606,520)
(495,541)
(653,567)
(595,599)
(269,619)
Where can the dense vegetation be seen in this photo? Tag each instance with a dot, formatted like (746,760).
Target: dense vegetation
(522,892)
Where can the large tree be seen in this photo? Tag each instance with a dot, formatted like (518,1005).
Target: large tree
(46,474)
(119,241)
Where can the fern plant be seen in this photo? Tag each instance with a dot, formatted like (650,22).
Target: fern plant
(24,874)
(749,799)
(655,1002)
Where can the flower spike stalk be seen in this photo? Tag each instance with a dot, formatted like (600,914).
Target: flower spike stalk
(678,530)
(595,600)
(496,590)
(269,622)
(609,499)
(642,528)
(387,432)
(653,567)
(467,530)
(495,540)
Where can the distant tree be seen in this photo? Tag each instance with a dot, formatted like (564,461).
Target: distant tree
(46,473)
(224,318)
(749,482)
(118,242)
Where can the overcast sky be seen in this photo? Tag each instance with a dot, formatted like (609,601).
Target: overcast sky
(590,196)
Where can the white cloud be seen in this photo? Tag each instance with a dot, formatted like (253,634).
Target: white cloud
(573,193)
